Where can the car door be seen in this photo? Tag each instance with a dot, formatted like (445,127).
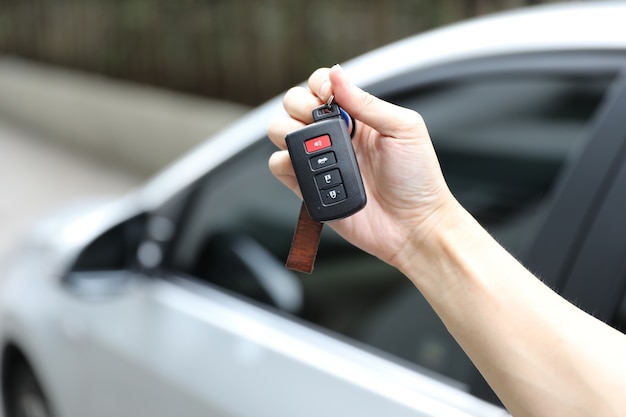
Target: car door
(118,337)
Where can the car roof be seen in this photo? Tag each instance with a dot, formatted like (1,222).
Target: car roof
(559,27)
(547,28)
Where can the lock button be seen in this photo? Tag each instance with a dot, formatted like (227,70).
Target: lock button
(328,179)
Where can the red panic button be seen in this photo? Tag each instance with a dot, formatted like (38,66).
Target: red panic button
(318,143)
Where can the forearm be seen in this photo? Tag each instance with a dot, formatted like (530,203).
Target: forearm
(541,355)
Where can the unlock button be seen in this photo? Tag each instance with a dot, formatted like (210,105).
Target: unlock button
(333,195)
(328,179)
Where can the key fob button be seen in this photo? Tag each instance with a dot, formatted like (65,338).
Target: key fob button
(322,161)
(328,179)
(317,144)
(333,195)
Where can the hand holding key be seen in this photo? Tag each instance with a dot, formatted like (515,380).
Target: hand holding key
(325,166)
(405,188)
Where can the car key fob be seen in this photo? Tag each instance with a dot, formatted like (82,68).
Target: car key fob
(326,167)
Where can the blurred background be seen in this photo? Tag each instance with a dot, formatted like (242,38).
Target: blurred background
(87,87)
(239,50)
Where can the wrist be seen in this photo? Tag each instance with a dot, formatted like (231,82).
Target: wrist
(435,248)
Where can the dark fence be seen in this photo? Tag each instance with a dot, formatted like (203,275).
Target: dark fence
(240,50)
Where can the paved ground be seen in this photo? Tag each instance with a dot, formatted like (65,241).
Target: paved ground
(38,175)
(113,122)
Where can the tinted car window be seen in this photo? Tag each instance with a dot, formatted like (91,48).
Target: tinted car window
(502,143)
(503,140)
(619,321)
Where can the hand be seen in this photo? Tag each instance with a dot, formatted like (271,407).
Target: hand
(407,195)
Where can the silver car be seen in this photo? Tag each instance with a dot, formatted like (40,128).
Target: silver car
(174,301)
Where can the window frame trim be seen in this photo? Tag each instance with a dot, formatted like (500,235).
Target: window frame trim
(602,295)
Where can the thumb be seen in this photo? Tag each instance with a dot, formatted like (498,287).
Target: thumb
(388,119)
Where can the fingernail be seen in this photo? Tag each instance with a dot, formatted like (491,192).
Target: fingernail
(325,89)
(343,74)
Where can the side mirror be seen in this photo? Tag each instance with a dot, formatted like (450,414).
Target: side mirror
(115,249)
(103,248)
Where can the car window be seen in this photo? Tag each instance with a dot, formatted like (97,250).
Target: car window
(502,143)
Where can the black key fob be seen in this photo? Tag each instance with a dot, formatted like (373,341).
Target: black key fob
(326,167)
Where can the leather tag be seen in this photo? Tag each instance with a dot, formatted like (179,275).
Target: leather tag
(306,239)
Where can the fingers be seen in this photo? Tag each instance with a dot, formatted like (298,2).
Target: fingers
(280,165)
(299,103)
(279,127)
(319,84)
(388,119)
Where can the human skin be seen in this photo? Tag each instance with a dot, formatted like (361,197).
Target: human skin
(540,354)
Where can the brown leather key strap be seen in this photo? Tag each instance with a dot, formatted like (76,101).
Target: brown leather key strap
(306,239)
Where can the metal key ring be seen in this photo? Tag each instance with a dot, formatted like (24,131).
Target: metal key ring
(350,121)
(330,100)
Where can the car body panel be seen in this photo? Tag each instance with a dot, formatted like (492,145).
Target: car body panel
(242,351)
(547,28)
(137,342)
